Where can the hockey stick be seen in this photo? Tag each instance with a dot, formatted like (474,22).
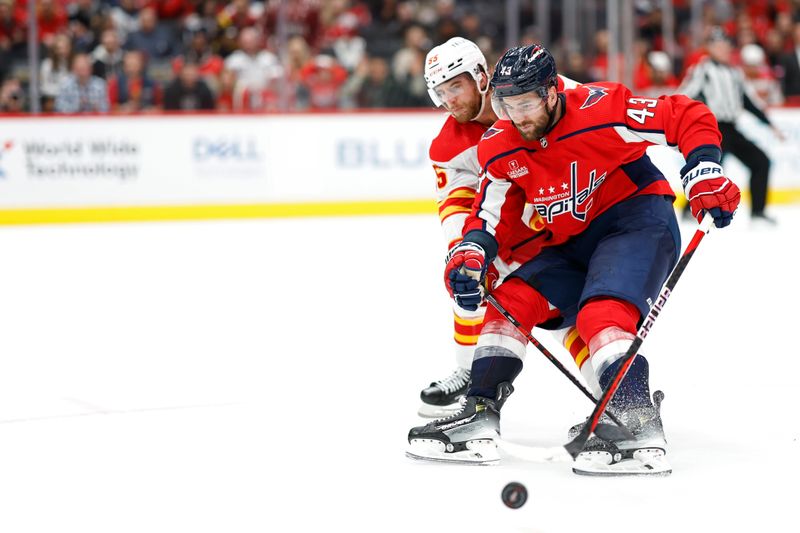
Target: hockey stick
(624,432)
(575,446)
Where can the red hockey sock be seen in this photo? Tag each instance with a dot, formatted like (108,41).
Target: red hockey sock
(603,313)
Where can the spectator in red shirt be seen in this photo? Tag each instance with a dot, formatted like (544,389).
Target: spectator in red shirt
(323,79)
(13,26)
(51,19)
(226,92)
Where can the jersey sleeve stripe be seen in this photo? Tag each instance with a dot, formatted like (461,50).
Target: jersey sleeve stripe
(452,210)
(494,196)
(614,125)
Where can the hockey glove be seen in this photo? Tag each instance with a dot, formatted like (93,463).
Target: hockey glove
(707,189)
(464,275)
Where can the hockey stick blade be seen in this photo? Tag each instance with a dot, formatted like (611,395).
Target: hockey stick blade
(576,445)
(623,432)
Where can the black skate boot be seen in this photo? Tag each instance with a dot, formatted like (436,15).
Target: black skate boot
(442,398)
(466,437)
(646,455)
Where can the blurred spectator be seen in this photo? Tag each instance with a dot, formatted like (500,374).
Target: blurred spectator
(107,56)
(297,55)
(12,97)
(133,90)
(575,68)
(13,24)
(407,63)
(83,41)
(349,49)
(81,92)
(256,69)
(152,38)
(323,79)
(790,62)
(759,77)
(125,18)
(226,96)
(300,16)
(238,14)
(341,18)
(89,13)
(598,69)
(51,19)
(188,92)
(54,70)
(773,46)
(199,52)
(659,79)
(373,86)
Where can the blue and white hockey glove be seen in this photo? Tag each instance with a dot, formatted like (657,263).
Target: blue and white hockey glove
(464,275)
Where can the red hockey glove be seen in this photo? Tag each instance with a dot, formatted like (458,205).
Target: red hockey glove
(707,189)
(464,275)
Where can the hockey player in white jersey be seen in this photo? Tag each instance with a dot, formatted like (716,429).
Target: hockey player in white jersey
(457,77)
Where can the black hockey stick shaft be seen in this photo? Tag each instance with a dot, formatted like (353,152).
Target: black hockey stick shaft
(575,446)
(552,358)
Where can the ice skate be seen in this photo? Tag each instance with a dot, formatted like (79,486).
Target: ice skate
(646,455)
(443,398)
(467,437)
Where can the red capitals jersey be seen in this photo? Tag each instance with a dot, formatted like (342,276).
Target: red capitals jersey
(454,155)
(592,159)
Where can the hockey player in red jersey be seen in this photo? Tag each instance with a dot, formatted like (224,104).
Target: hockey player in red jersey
(578,156)
(457,76)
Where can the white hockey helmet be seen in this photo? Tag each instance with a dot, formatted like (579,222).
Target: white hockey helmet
(448,60)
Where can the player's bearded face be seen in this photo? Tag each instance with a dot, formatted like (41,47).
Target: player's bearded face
(530,113)
(460,97)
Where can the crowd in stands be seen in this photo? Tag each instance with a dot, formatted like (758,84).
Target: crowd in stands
(240,55)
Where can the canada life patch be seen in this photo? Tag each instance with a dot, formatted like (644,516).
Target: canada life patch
(595,95)
(491,132)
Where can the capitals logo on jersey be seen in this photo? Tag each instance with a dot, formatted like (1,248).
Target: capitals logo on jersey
(595,95)
(571,200)
(491,132)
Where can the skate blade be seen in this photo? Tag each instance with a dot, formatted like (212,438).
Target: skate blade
(645,462)
(438,411)
(481,452)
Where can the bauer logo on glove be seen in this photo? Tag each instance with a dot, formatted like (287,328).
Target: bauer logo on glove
(708,190)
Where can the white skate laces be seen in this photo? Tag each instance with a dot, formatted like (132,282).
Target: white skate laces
(454,381)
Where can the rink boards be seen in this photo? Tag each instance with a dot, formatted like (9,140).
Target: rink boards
(170,167)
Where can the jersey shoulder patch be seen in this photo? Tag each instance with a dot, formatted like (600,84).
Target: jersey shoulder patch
(454,139)
(501,137)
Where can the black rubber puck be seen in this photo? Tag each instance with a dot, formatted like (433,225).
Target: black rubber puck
(514,495)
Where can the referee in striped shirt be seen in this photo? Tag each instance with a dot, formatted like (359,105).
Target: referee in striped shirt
(721,86)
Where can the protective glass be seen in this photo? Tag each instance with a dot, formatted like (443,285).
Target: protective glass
(450,89)
(518,108)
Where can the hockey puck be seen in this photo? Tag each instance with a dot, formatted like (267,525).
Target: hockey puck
(514,495)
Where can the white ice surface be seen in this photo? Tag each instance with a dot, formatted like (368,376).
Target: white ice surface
(261,376)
